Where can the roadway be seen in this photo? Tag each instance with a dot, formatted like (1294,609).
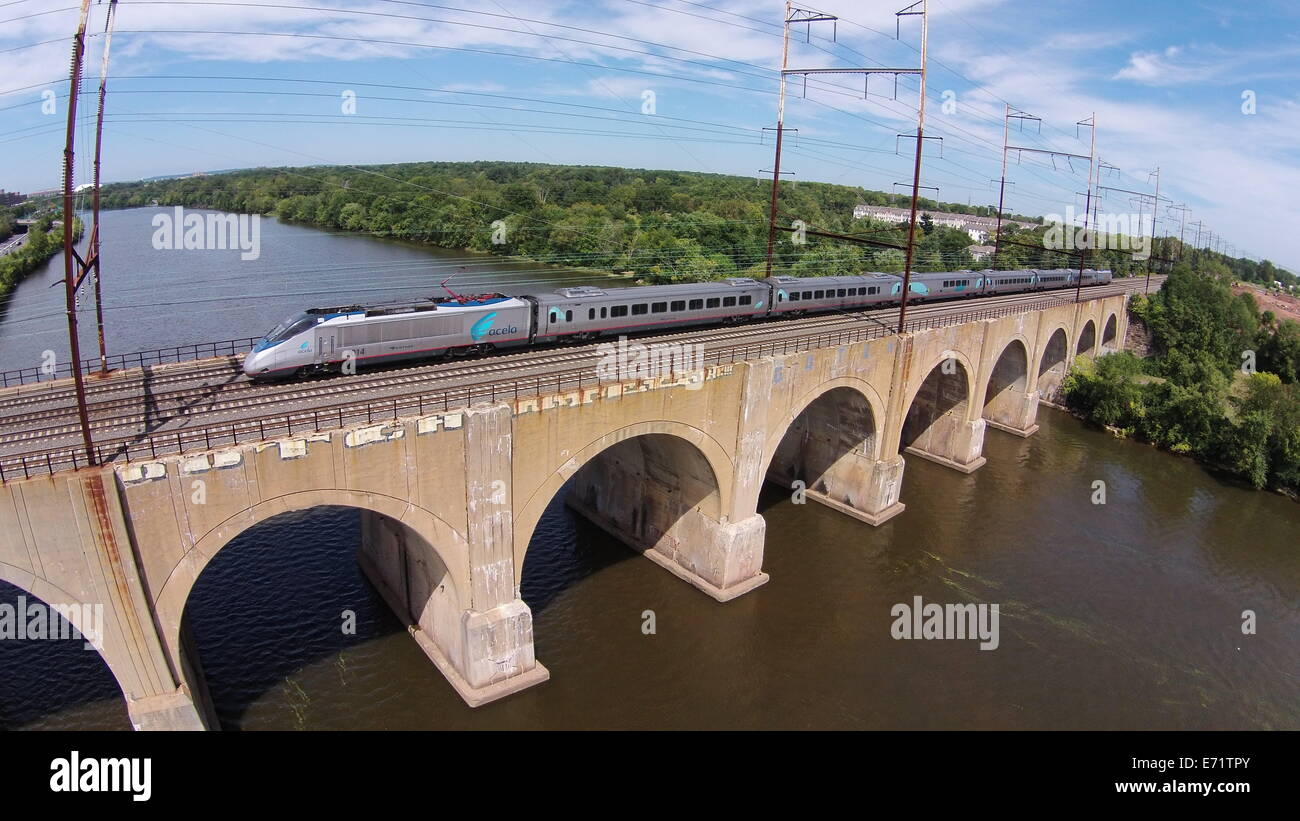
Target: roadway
(13,243)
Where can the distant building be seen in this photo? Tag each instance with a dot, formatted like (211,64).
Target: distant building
(981,251)
(979,228)
(11,197)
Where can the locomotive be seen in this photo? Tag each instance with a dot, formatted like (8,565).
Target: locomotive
(323,340)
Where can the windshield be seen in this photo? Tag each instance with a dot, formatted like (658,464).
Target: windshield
(292,326)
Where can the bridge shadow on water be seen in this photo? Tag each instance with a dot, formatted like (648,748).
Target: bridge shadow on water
(266,615)
(283,596)
(53,684)
(564,550)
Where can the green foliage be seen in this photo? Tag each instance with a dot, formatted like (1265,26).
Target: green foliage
(664,226)
(1185,401)
(42,243)
(1106,391)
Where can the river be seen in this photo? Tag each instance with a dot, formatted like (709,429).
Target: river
(1120,615)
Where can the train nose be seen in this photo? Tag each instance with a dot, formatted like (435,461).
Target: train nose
(254,364)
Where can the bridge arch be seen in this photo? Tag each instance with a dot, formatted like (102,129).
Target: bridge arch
(115,667)
(433,560)
(842,387)
(828,447)
(1052,363)
(1004,399)
(1087,344)
(965,368)
(1109,333)
(40,588)
(936,424)
(639,453)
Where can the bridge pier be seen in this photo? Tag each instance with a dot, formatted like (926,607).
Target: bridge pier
(483,655)
(723,559)
(170,711)
(856,485)
(1013,412)
(955,444)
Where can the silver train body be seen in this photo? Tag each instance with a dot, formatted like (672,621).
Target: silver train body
(324,340)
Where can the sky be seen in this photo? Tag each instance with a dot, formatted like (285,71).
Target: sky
(1208,93)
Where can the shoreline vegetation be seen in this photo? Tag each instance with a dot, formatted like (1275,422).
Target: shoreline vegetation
(43,242)
(662,226)
(1221,385)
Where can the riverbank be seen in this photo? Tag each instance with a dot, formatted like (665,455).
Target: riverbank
(40,247)
(1217,470)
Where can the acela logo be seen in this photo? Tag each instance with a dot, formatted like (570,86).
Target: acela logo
(480,328)
(77,774)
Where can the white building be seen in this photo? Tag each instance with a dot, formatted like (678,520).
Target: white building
(979,228)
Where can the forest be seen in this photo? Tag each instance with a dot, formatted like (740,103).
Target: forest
(663,226)
(1223,384)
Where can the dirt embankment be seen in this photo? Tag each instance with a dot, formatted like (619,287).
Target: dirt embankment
(1282,305)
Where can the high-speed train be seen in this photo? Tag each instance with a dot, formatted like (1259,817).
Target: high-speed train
(322,340)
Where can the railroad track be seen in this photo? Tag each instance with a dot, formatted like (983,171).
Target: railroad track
(244,394)
(176,373)
(345,396)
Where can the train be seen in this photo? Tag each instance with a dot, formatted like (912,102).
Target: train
(326,340)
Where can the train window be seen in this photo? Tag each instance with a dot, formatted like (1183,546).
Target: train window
(568,316)
(840,293)
(819,294)
(697,304)
(555,315)
(639,309)
(794,296)
(618,310)
(591,313)
(678,305)
(807,294)
(659,307)
(728,302)
(602,313)
(713,302)
(745,299)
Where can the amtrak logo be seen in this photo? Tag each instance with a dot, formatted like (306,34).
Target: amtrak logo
(480,329)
